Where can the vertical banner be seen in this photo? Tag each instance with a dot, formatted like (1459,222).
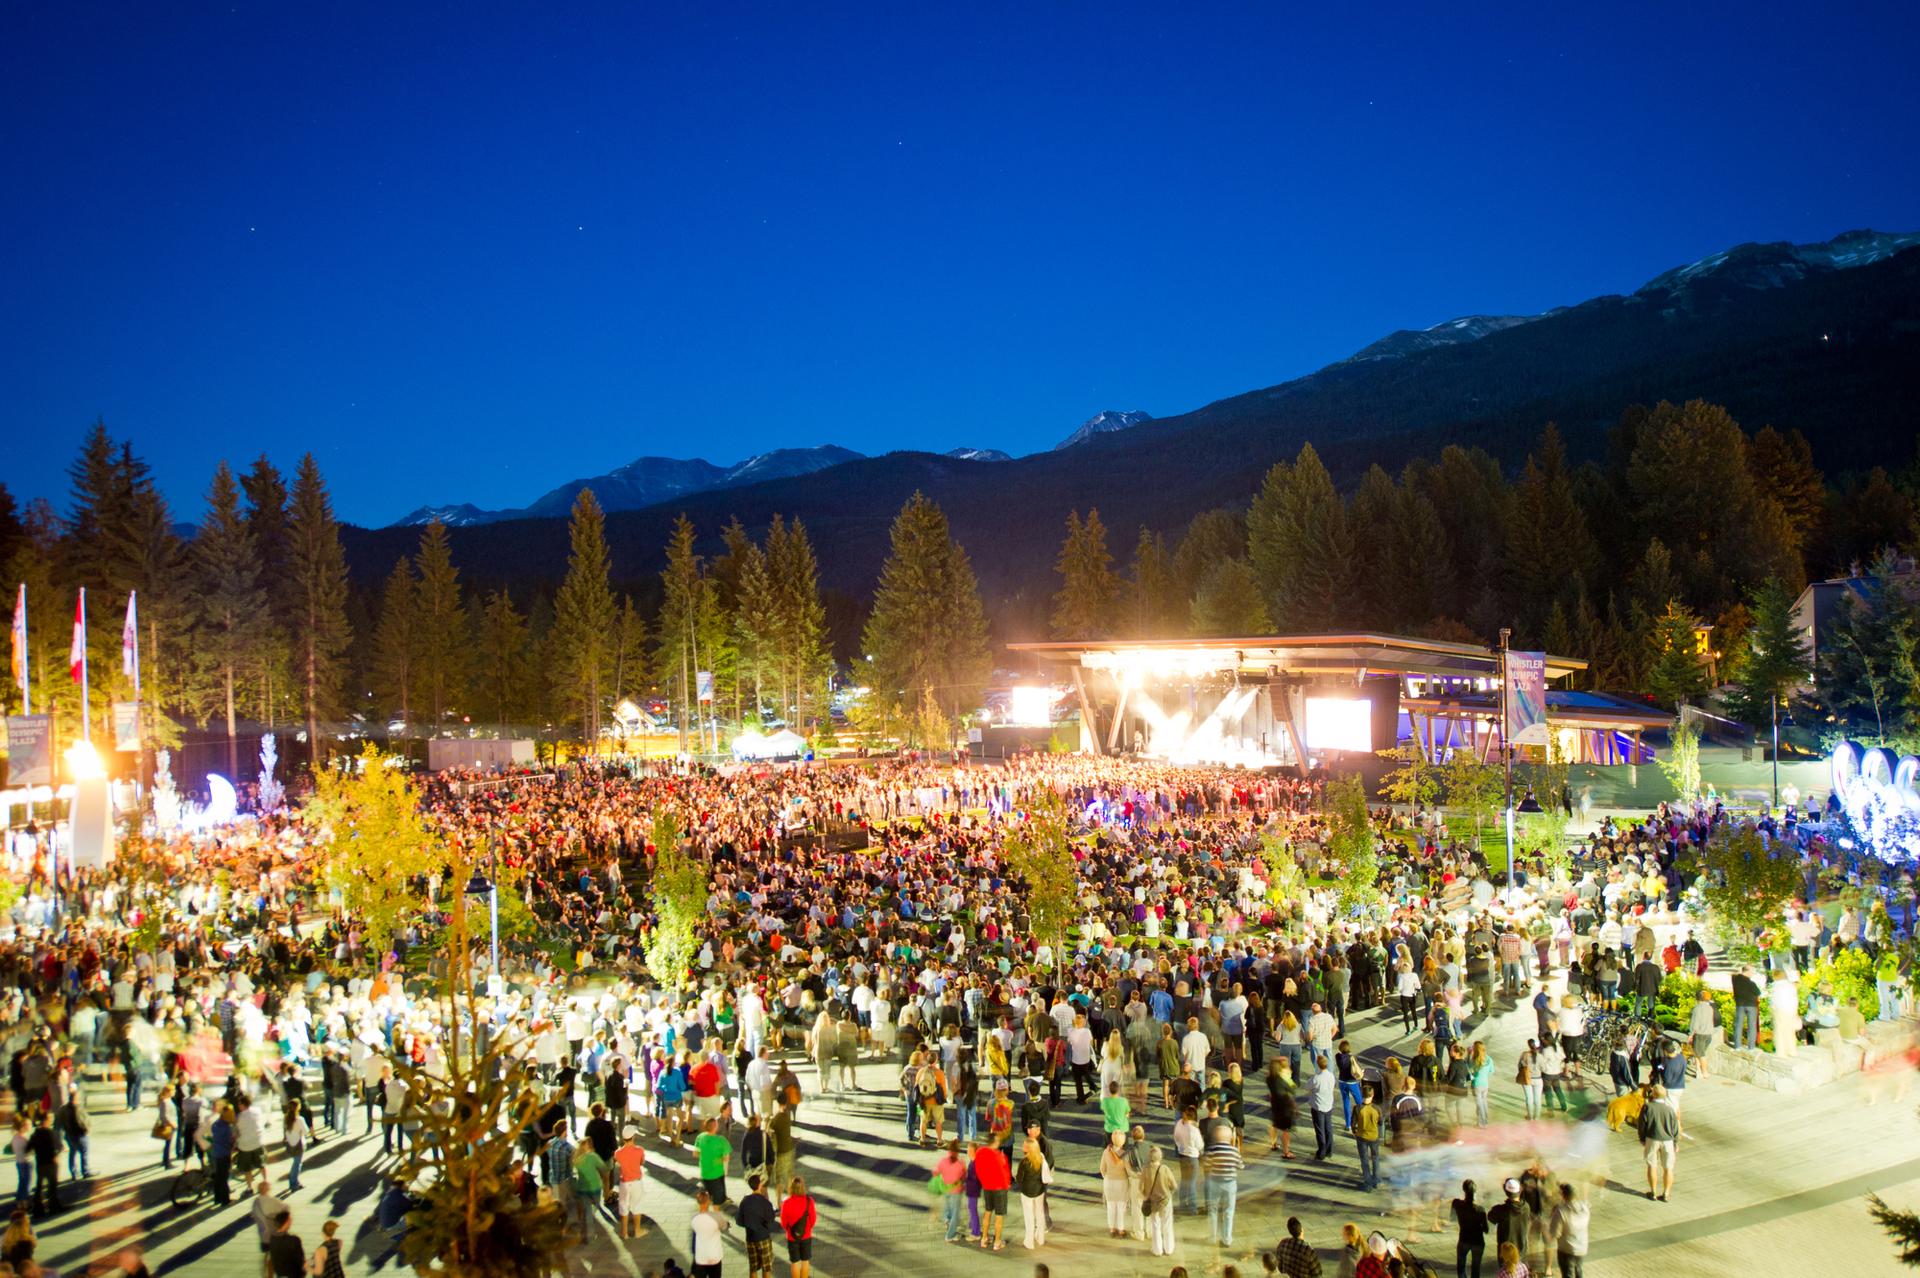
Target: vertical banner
(1526,676)
(29,749)
(704,682)
(126,725)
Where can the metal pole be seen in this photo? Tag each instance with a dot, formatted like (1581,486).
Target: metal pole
(1773,704)
(86,711)
(493,900)
(1506,746)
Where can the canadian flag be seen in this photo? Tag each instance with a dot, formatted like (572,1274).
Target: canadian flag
(77,654)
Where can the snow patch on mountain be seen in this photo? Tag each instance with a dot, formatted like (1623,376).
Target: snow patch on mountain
(1102,424)
(978,454)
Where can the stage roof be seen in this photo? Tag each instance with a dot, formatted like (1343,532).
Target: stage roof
(1564,709)
(1336,654)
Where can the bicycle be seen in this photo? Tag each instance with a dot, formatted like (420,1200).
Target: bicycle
(190,1186)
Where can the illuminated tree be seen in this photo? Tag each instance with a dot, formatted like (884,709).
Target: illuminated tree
(1228,602)
(440,624)
(1678,675)
(1039,853)
(679,888)
(378,846)
(318,598)
(232,604)
(1681,763)
(928,630)
(395,644)
(1155,606)
(1416,782)
(1776,659)
(580,648)
(1301,546)
(501,658)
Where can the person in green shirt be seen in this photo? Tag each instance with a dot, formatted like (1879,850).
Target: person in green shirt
(1115,1111)
(713,1150)
(589,1184)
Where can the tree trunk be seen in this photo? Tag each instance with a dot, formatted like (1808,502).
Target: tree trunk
(313,685)
(233,735)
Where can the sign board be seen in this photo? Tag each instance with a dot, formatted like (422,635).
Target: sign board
(704,682)
(126,725)
(29,749)
(1526,677)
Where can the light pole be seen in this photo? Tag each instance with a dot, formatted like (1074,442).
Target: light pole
(1506,745)
(1773,706)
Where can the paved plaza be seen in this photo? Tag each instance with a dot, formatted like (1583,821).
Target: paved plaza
(1767,1184)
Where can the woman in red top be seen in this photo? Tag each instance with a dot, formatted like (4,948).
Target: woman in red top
(797,1217)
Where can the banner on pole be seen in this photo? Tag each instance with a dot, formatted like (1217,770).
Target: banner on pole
(1526,676)
(126,725)
(29,749)
(704,681)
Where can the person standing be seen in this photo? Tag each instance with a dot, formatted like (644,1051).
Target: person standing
(1223,1183)
(1030,1177)
(76,1124)
(1659,1134)
(798,1216)
(249,1143)
(1157,1185)
(996,1177)
(758,1218)
(1470,1243)
(1568,1229)
(327,1256)
(286,1254)
(294,1137)
(1188,1146)
(1322,1089)
(951,1170)
(1116,1183)
(630,1164)
(46,1167)
(1366,1138)
(163,1124)
(1480,1078)
(707,1227)
(589,1184)
(713,1151)
(1115,1110)
(1293,1257)
(1746,1009)
(268,1210)
(784,1151)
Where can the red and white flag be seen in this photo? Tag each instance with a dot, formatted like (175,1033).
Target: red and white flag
(130,642)
(77,652)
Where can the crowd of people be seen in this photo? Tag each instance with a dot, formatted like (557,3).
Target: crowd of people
(864,921)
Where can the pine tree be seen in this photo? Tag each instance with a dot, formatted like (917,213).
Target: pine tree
(1867,677)
(927,632)
(794,575)
(502,655)
(1229,604)
(754,624)
(318,598)
(34,564)
(1782,465)
(232,602)
(1677,675)
(396,645)
(1370,513)
(1089,591)
(1417,565)
(687,608)
(580,651)
(266,494)
(440,624)
(629,649)
(1301,547)
(1550,552)
(1155,603)
(1211,535)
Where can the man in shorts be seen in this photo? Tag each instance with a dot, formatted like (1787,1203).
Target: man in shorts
(1659,1135)
(759,1219)
(630,1161)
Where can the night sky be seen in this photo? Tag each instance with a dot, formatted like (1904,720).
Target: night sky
(467,252)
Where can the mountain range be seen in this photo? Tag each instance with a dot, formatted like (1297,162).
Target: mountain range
(1823,337)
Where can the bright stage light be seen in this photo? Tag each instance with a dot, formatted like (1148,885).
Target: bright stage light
(1880,793)
(1030,707)
(1339,723)
(83,761)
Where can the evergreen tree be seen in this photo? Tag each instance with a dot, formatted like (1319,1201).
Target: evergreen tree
(1782,466)
(1654,583)
(1300,545)
(1550,552)
(1089,591)
(1466,487)
(13,532)
(266,494)
(1677,675)
(1370,513)
(1156,606)
(440,625)
(580,651)
(232,602)
(317,573)
(1211,535)
(1229,604)
(396,643)
(502,655)
(1416,565)
(689,615)
(754,625)
(34,564)
(1867,679)
(794,575)
(927,633)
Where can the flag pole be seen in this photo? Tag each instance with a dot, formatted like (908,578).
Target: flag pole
(132,629)
(86,707)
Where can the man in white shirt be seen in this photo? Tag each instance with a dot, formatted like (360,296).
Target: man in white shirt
(1194,1048)
(1321,1027)
(1080,1058)
(1322,1089)
(1188,1146)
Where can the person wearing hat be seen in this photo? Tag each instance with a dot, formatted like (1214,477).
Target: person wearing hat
(1511,1219)
(1373,1262)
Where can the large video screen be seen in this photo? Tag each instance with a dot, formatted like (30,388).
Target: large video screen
(1339,723)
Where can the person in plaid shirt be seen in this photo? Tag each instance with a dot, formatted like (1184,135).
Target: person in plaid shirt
(1295,1258)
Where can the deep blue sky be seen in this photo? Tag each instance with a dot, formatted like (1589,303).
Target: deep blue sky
(466,252)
